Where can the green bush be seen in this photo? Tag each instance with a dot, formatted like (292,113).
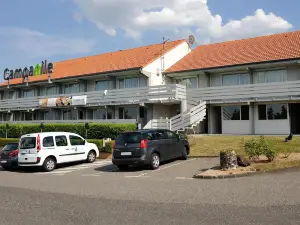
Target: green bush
(96,131)
(99,143)
(108,146)
(256,147)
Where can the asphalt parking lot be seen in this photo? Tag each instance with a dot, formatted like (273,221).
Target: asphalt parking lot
(101,194)
(178,169)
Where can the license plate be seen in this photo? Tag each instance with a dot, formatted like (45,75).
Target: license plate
(3,161)
(125,153)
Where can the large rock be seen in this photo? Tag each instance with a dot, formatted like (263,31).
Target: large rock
(242,161)
(228,160)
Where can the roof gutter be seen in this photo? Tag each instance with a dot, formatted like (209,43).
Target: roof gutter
(287,61)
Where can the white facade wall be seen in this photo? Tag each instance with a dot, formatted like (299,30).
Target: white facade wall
(163,63)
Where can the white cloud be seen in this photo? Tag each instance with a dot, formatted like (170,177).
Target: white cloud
(173,16)
(33,44)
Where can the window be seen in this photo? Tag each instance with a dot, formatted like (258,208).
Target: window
(270,76)
(48,142)
(235,79)
(28,142)
(12,95)
(10,147)
(149,136)
(28,93)
(109,113)
(129,138)
(71,88)
(128,113)
(100,114)
(235,112)
(272,112)
(159,135)
(128,83)
(75,140)
(104,85)
(49,115)
(70,114)
(189,82)
(171,135)
(27,116)
(51,90)
(61,141)
(143,81)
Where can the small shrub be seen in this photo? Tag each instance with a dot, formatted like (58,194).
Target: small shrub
(287,151)
(252,149)
(268,149)
(108,146)
(5,141)
(99,143)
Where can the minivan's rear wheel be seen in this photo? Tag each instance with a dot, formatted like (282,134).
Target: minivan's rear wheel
(184,155)
(91,157)
(155,161)
(49,164)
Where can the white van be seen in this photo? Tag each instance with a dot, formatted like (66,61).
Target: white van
(49,149)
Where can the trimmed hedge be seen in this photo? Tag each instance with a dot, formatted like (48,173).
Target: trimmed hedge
(95,131)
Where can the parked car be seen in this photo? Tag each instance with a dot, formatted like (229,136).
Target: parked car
(49,149)
(9,156)
(148,147)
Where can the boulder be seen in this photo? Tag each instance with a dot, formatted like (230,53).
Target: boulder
(228,160)
(242,161)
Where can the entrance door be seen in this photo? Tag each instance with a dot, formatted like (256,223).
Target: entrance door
(294,111)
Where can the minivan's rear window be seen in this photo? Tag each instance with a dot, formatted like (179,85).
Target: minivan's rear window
(129,138)
(10,147)
(27,142)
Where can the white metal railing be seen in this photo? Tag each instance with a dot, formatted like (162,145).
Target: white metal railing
(158,124)
(113,121)
(278,90)
(159,93)
(189,117)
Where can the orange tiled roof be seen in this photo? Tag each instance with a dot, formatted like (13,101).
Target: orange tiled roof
(108,62)
(274,47)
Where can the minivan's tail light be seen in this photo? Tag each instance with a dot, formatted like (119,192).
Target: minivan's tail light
(38,143)
(14,153)
(113,145)
(143,144)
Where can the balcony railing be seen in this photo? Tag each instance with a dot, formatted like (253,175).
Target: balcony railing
(112,121)
(251,92)
(160,93)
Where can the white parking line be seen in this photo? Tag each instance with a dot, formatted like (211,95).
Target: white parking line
(91,175)
(184,178)
(141,175)
(162,168)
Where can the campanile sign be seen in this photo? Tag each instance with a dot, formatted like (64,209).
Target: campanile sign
(38,69)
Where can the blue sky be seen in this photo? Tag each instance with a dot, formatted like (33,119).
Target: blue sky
(35,30)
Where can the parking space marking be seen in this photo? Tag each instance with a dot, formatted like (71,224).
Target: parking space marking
(141,175)
(91,175)
(63,171)
(184,178)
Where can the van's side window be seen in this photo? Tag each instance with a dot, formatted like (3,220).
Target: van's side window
(48,142)
(61,141)
(75,140)
(159,135)
(171,135)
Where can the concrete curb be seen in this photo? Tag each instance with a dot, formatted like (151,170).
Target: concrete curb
(208,177)
(202,157)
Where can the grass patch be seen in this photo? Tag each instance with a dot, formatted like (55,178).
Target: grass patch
(212,145)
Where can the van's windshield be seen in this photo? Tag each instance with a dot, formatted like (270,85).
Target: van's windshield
(129,138)
(27,142)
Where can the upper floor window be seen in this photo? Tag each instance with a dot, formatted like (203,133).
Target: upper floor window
(28,93)
(51,90)
(188,82)
(12,95)
(128,83)
(71,88)
(236,112)
(235,79)
(104,85)
(270,76)
(272,112)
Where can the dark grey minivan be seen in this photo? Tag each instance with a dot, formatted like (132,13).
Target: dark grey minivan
(148,147)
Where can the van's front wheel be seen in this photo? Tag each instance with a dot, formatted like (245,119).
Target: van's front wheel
(49,164)
(91,157)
